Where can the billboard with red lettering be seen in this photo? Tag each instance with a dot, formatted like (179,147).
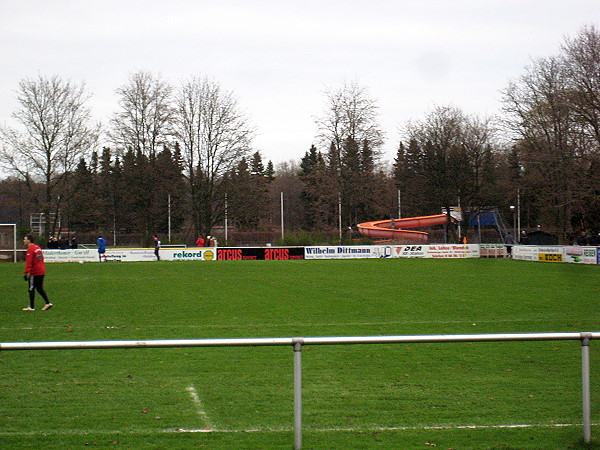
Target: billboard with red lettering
(259,253)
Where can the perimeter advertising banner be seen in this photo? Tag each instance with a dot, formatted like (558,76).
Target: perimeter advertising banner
(573,254)
(394,251)
(131,254)
(437,251)
(348,251)
(584,255)
(189,254)
(128,255)
(259,253)
(85,254)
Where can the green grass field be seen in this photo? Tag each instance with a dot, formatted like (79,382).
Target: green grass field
(361,396)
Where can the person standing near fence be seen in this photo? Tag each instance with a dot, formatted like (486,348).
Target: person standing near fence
(34,273)
(156,247)
(101,243)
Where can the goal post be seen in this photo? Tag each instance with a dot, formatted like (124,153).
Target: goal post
(8,241)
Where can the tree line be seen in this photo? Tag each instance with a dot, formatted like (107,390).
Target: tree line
(182,158)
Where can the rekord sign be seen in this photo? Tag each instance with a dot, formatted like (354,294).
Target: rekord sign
(184,254)
(347,252)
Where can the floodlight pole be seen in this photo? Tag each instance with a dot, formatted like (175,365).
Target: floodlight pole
(226,219)
(114,230)
(169,218)
(518,236)
(340,215)
(282,234)
(585,386)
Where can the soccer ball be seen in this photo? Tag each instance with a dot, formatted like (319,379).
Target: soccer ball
(80,262)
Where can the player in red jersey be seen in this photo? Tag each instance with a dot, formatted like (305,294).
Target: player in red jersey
(34,273)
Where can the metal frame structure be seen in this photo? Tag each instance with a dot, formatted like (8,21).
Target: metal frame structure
(299,342)
(14,227)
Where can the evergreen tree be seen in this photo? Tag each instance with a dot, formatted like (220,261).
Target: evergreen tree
(248,195)
(83,208)
(318,195)
(270,172)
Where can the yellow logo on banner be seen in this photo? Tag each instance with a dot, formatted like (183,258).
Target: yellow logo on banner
(209,255)
(550,257)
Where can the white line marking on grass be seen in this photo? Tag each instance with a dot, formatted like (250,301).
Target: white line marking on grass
(200,408)
(71,432)
(365,429)
(312,324)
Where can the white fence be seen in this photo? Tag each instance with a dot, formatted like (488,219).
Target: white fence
(299,342)
(569,254)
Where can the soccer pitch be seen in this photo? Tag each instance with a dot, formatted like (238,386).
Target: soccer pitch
(524,395)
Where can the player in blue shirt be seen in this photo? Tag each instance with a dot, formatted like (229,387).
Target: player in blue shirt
(101,243)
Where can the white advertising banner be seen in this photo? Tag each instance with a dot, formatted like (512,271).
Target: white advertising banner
(347,252)
(453,251)
(84,254)
(525,253)
(437,251)
(394,251)
(581,255)
(130,254)
(410,251)
(573,254)
(534,253)
(189,254)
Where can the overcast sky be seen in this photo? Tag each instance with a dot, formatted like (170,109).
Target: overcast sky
(278,56)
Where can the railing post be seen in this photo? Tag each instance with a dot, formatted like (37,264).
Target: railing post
(585,386)
(298,392)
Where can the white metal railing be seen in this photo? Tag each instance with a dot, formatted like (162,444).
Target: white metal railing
(298,342)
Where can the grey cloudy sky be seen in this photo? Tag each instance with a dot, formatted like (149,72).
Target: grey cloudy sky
(278,57)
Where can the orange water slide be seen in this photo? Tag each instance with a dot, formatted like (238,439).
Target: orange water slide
(395,228)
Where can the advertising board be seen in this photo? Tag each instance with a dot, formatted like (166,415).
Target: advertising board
(453,251)
(189,254)
(130,254)
(347,252)
(394,251)
(84,254)
(569,254)
(550,257)
(580,255)
(437,251)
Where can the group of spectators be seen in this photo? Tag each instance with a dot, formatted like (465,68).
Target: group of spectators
(586,239)
(59,243)
(210,241)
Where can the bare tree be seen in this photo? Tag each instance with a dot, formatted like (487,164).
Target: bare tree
(215,136)
(539,111)
(440,138)
(54,133)
(145,120)
(350,114)
(581,56)
(451,159)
